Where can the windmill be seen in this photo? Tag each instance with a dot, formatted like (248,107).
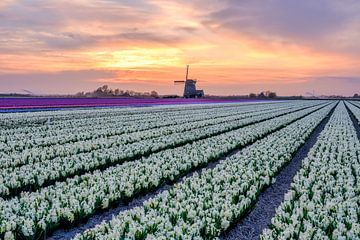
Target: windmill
(190,86)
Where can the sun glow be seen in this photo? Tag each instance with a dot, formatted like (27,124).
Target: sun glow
(139,58)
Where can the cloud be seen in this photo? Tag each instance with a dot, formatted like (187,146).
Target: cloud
(65,82)
(330,85)
(6,3)
(66,40)
(298,19)
(323,85)
(144,36)
(65,24)
(54,82)
(34,15)
(78,24)
(307,22)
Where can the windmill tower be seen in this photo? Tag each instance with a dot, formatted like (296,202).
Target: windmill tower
(190,87)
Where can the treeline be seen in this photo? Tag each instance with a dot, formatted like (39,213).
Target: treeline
(105,91)
(265,94)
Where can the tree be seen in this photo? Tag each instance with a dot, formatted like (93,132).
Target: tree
(261,95)
(105,88)
(126,93)
(154,94)
(105,91)
(272,95)
(252,95)
(356,95)
(80,94)
(101,91)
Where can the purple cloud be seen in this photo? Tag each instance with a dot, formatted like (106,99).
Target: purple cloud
(57,82)
(305,22)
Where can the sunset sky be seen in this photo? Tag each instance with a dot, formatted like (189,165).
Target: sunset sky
(233,46)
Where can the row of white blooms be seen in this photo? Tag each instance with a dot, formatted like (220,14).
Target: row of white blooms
(26,138)
(99,115)
(20,119)
(76,118)
(355,111)
(37,154)
(205,204)
(24,141)
(39,173)
(356,103)
(324,199)
(107,129)
(32,213)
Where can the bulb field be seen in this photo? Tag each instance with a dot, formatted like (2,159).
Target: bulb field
(194,171)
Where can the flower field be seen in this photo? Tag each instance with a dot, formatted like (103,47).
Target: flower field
(18,104)
(60,168)
(323,202)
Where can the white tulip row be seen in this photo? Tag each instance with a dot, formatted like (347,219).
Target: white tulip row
(85,122)
(324,199)
(22,139)
(356,103)
(87,136)
(13,180)
(96,116)
(38,154)
(76,118)
(82,196)
(24,119)
(355,111)
(205,204)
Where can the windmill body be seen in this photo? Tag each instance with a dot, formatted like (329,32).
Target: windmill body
(190,90)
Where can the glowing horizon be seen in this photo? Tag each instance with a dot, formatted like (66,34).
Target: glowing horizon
(233,47)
